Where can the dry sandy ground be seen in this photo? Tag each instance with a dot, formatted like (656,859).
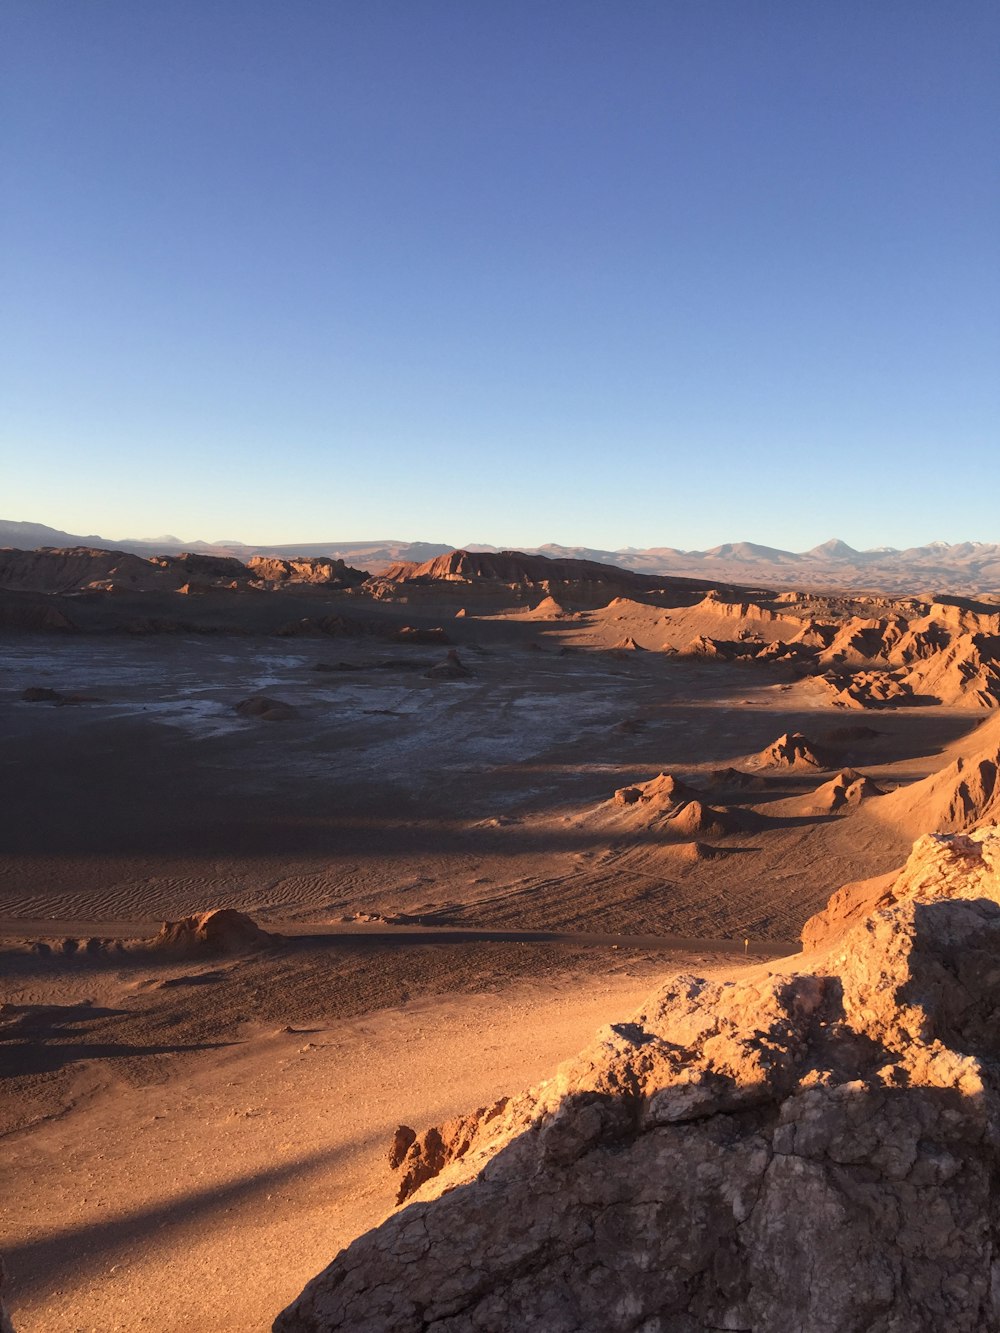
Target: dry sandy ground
(469,801)
(201,1189)
(174,1156)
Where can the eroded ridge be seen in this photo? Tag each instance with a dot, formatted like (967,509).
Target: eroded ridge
(805,1149)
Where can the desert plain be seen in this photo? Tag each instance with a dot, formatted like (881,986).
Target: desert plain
(476,809)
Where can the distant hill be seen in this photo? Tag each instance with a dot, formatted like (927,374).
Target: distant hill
(29,536)
(372,555)
(962,568)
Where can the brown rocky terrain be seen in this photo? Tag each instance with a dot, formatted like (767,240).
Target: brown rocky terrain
(560,582)
(792,750)
(274,571)
(483,797)
(515,567)
(807,1147)
(868,651)
(847,790)
(966,568)
(80,569)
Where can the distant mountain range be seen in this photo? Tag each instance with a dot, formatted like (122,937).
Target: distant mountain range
(963,568)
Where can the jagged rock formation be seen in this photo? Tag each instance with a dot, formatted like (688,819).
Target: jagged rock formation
(873,651)
(959,796)
(918,652)
(702,645)
(82,569)
(809,1149)
(85,569)
(844,792)
(695,819)
(966,671)
(275,572)
(676,810)
(938,651)
(698,851)
(751,615)
(582,582)
(872,689)
(512,567)
(549,608)
(965,567)
(665,791)
(792,750)
(221,930)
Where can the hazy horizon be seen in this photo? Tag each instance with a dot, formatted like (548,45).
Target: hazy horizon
(473,543)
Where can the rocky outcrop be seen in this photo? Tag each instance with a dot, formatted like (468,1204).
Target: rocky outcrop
(221,930)
(665,791)
(871,689)
(702,645)
(945,653)
(695,819)
(275,572)
(966,672)
(959,796)
(83,569)
(515,567)
(844,792)
(581,582)
(793,750)
(72,568)
(675,810)
(810,1147)
(746,612)
(548,609)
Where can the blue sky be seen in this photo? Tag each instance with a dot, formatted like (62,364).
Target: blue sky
(636,273)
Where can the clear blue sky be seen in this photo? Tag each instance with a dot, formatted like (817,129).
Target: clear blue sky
(645,272)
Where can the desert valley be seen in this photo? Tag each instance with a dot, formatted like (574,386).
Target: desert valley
(317,884)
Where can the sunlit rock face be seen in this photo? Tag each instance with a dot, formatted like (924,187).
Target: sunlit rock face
(807,1149)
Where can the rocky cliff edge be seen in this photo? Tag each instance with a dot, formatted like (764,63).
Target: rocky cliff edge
(810,1147)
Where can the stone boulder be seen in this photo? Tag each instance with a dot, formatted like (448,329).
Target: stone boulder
(220,930)
(812,1146)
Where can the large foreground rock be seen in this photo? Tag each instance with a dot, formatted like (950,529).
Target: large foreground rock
(219,930)
(809,1150)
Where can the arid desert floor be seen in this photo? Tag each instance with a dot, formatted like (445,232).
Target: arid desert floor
(459,898)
